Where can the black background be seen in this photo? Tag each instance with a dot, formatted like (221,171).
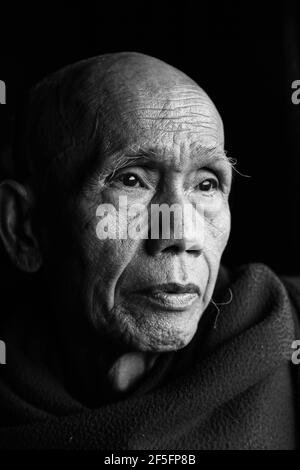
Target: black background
(245,58)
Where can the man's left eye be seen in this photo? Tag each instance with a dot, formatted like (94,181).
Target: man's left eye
(208,185)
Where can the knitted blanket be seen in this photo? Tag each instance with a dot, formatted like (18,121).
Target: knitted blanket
(235,388)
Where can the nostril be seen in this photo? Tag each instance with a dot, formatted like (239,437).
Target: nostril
(181,247)
(194,252)
(193,247)
(173,246)
(175,249)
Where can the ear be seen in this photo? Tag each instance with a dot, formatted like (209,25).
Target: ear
(16,204)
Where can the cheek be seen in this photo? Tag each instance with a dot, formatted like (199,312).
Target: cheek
(104,262)
(217,234)
(103,244)
(217,230)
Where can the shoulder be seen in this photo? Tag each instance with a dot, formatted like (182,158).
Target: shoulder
(259,281)
(292,285)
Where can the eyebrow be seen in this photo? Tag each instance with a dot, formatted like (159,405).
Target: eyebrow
(144,156)
(124,160)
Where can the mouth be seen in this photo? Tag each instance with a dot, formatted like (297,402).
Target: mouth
(171,296)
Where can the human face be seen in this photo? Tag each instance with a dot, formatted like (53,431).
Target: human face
(149,294)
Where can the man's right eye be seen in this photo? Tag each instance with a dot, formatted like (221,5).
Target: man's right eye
(130,180)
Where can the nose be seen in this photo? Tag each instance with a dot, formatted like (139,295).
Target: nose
(177,227)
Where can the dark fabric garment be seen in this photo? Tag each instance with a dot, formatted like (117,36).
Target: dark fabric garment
(233,387)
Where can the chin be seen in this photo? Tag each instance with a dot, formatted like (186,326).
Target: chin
(162,340)
(153,332)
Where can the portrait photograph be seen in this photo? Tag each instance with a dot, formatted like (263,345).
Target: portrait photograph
(149,229)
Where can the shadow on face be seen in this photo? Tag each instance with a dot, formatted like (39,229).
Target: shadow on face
(137,213)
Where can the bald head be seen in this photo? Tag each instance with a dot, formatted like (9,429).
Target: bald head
(95,104)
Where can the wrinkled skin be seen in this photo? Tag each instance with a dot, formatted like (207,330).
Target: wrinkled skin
(152,106)
(170,120)
(143,104)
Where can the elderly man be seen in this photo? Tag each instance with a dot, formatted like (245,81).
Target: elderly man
(138,342)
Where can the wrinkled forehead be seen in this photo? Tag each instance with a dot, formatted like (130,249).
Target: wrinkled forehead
(103,105)
(170,115)
(137,95)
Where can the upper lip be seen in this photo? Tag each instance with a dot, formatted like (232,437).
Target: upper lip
(172,288)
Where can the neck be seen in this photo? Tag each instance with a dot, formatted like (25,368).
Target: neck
(128,369)
(98,370)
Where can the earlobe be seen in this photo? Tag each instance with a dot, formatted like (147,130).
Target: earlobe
(16,231)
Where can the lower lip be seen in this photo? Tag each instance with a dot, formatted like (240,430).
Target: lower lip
(168,301)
